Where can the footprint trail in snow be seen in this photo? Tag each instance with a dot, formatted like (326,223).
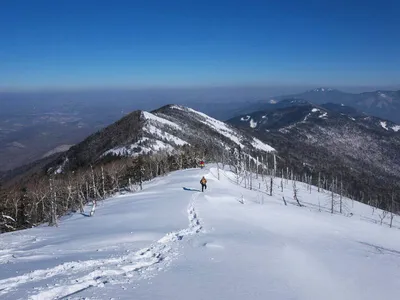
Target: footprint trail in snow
(82,275)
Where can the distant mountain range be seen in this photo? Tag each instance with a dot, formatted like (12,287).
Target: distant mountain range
(383,104)
(332,137)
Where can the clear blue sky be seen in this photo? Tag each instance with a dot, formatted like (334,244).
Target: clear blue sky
(82,43)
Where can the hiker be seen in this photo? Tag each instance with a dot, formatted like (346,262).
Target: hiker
(203,183)
(201,164)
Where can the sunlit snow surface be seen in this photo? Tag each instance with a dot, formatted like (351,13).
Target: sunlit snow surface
(168,243)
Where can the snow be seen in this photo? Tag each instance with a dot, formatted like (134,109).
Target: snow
(8,217)
(315,110)
(306,117)
(157,138)
(382,95)
(245,118)
(253,124)
(226,131)
(396,128)
(60,168)
(324,115)
(262,146)
(217,125)
(323,90)
(160,140)
(159,145)
(151,117)
(384,125)
(153,145)
(164,135)
(167,243)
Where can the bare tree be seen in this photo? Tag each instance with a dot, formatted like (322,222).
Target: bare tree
(319,181)
(341,197)
(287,176)
(332,198)
(251,176)
(383,215)
(270,186)
(53,201)
(262,168)
(257,168)
(15,200)
(103,183)
(295,192)
(392,210)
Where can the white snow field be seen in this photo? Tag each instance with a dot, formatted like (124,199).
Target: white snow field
(168,243)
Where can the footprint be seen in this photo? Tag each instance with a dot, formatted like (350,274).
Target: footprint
(213,246)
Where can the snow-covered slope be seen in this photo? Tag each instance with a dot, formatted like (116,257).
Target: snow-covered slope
(165,129)
(333,139)
(168,243)
(174,125)
(382,104)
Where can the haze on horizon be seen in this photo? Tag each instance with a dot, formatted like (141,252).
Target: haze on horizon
(78,45)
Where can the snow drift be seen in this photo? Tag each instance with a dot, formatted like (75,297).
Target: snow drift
(166,242)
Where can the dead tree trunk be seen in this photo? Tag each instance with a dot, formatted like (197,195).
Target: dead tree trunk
(319,181)
(332,198)
(270,186)
(295,194)
(392,209)
(53,199)
(103,182)
(341,197)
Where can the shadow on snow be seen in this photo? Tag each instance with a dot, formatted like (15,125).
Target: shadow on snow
(191,189)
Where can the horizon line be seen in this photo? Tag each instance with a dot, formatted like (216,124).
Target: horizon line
(95,88)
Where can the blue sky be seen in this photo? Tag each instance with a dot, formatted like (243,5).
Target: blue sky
(198,43)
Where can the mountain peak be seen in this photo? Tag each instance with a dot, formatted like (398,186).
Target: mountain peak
(322,90)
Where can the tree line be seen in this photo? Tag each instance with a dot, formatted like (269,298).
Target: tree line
(46,196)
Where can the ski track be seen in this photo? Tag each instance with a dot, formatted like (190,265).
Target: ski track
(82,275)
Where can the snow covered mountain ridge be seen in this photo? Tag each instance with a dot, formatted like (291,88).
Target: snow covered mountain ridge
(166,129)
(382,104)
(292,111)
(335,139)
(157,126)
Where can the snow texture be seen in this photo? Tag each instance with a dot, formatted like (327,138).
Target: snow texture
(165,242)
(396,128)
(323,116)
(160,138)
(228,132)
(262,146)
(253,124)
(150,116)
